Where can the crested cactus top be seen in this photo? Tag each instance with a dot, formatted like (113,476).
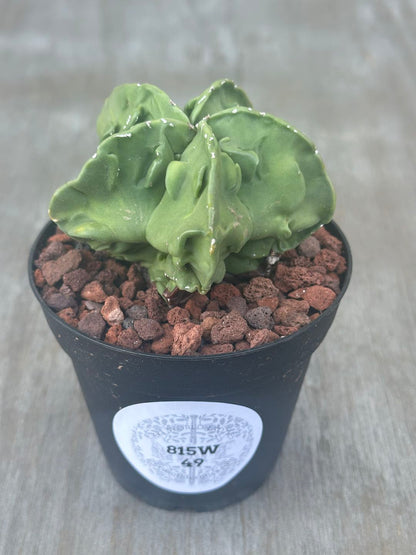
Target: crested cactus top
(197,192)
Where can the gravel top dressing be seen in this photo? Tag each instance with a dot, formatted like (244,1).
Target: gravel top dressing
(114,301)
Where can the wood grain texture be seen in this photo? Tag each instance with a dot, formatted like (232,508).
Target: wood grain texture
(344,73)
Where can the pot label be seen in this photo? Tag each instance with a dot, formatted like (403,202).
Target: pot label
(187,446)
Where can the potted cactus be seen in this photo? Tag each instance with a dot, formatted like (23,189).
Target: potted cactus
(188,198)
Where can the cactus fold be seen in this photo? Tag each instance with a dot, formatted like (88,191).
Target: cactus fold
(219,96)
(192,194)
(133,103)
(200,220)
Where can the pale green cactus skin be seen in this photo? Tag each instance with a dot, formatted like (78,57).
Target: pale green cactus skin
(192,194)
(133,103)
(200,219)
(219,96)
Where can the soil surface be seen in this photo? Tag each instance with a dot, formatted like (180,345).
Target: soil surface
(114,301)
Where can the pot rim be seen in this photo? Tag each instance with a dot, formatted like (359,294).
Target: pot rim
(49,226)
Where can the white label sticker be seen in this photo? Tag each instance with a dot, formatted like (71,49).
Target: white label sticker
(187,446)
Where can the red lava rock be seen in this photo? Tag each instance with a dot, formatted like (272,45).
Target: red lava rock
(53,270)
(217,349)
(342,266)
(93,324)
(94,291)
(186,339)
(112,334)
(207,325)
(213,314)
(309,247)
(47,289)
(291,318)
(134,274)
(125,303)
(156,306)
(129,339)
(128,289)
(177,315)
(327,240)
(105,276)
(59,236)
(69,316)
(261,337)
(111,289)
(107,279)
(39,279)
(319,269)
(141,297)
(148,329)
(241,345)
(212,306)
(319,297)
(301,261)
(297,293)
(290,278)
(67,291)
(260,318)
(163,345)
(116,268)
(282,331)
(199,299)
(229,329)
(53,251)
(58,301)
(196,304)
(222,292)
(83,311)
(238,304)
(76,279)
(292,313)
(327,258)
(90,263)
(111,311)
(299,305)
(258,288)
(194,310)
(271,302)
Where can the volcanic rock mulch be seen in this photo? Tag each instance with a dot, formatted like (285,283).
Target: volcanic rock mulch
(114,301)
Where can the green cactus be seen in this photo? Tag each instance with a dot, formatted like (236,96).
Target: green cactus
(192,194)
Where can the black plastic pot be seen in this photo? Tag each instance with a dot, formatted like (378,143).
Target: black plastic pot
(196,433)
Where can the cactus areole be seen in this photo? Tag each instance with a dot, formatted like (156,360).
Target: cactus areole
(192,194)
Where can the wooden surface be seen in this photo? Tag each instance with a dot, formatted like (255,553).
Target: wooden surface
(345,74)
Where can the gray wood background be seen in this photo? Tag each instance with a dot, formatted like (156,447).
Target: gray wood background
(345,74)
